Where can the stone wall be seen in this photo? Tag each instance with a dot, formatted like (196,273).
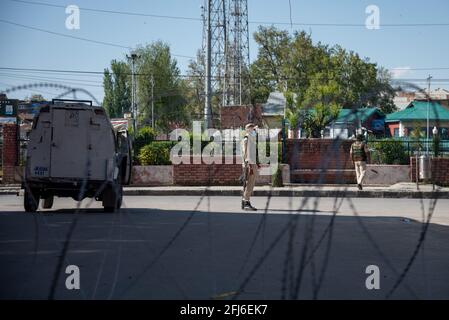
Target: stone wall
(384,174)
(152,175)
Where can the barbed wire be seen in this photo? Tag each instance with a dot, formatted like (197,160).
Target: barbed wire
(306,254)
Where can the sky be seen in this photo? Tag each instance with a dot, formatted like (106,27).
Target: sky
(405,47)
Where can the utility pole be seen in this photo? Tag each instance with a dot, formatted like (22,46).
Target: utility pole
(152,101)
(428,115)
(133,57)
(208,87)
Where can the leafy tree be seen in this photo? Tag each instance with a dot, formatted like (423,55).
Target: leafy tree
(156,63)
(267,71)
(117,89)
(417,135)
(316,74)
(386,92)
(320,105)
(193,86)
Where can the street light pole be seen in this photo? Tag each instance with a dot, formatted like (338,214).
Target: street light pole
(208,85)
(428,114)
(152,101)
(133,57)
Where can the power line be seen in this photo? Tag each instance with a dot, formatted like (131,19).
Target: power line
(417,69)
(250,22)
(50,79)
(65,35)
(112,11)
(79,38)
(181,75)
(46,77)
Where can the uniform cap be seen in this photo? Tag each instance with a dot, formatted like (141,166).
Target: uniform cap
(250,125)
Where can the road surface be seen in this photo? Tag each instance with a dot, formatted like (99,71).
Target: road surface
(177,247)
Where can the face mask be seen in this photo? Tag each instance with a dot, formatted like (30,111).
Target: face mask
(253,133)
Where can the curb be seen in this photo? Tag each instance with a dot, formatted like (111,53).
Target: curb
(278,193)
(297,193)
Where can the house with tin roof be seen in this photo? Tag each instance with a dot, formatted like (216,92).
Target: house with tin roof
(349,120)
(402,123)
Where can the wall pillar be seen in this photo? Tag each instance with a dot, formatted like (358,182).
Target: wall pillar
(9,152)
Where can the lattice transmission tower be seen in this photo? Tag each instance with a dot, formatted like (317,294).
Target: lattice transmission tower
(238,53)
(226,53)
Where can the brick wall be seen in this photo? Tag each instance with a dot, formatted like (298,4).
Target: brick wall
(207,174)
(9,152)
(439,167)
(239,116)
(320,161)
(319,154)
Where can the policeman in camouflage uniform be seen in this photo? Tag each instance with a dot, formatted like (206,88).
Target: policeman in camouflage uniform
(359,155)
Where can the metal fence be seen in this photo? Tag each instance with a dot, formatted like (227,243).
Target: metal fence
(399,151)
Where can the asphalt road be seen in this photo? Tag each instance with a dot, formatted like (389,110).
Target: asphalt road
(207,248)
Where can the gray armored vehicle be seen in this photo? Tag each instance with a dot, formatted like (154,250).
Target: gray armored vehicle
(75,152)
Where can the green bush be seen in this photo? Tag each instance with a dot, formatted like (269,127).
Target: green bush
(390,151)
(277,178)
(145,136)
(156,153)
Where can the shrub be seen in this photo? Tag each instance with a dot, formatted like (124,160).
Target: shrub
(277,178)
(145,136)
(156,153)
(390,151)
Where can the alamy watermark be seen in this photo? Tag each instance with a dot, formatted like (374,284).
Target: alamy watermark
(223,146)
(372,22)
(72,22)
(373,280)
(72,282)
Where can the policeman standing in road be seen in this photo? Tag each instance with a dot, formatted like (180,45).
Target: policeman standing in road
(359,155)
(250,164)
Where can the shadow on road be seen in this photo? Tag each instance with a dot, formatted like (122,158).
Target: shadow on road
(181,254)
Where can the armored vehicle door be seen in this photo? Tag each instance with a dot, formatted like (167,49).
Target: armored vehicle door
(69,156)
(38,163)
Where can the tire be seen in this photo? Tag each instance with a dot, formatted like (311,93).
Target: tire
(31,200)
(120,197)
(112,198)
(48,202)
(109,209)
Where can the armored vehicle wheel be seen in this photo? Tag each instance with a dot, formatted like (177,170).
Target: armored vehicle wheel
(48,202)
(31,200)
(112,198)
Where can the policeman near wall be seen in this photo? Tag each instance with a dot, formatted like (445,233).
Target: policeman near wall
(250,164)
(359,155)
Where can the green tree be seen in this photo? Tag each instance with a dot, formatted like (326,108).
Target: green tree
(417,135)
(295,64)
(156,63)
(267,70)
(320,104)
(117,89)
(386,92)
(193,86)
